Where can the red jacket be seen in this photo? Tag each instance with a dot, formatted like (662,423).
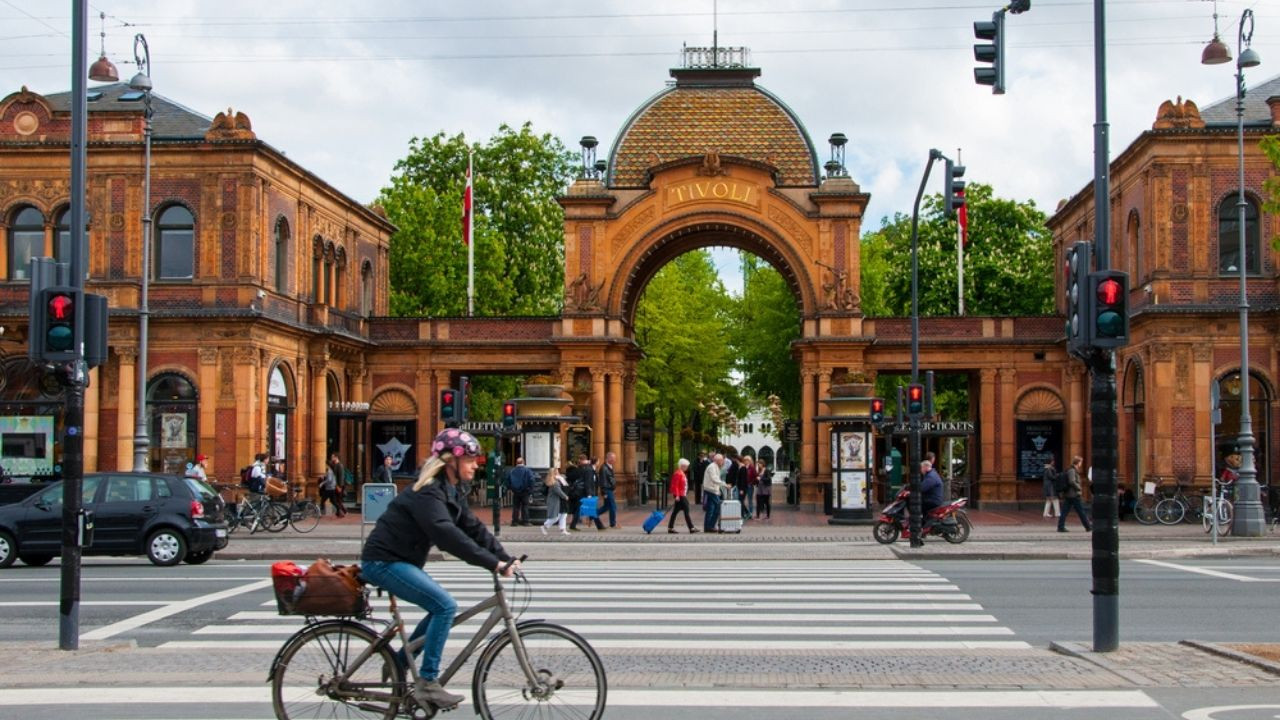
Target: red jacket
(679,484)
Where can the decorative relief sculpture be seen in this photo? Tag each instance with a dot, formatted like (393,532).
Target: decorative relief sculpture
(711,166)
(1180,114)
(840,296)
(229,126)
(582,295)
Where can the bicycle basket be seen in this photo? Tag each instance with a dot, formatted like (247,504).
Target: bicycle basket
(322,590)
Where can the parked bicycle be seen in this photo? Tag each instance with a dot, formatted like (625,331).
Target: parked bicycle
(1177,507)
(257,512)
(341,667)
(1216,508)
(304,513)
(1153,491)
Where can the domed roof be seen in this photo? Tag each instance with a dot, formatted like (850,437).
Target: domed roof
(713,110)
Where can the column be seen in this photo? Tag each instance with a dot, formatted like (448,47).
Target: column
(319,416)
(1008,394)
(92,407)
(599,420)
(250,422)
(296,441)
(628,468)
(614,443)
(126,394)
(808,459)
(207,412)
(988,432)
(823,436)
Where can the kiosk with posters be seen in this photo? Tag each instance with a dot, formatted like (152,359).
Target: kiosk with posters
(852,459)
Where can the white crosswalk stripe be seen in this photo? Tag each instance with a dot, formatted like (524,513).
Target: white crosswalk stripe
(881,605)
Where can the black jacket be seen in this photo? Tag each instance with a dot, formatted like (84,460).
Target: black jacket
(416,521)
(585,484)
(606,477)
(382,474)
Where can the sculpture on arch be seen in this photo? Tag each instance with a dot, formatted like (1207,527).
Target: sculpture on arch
(840,296)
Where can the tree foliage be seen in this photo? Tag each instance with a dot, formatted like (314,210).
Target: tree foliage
(766,320)
(1271,186)
(518,225)
(1008,264)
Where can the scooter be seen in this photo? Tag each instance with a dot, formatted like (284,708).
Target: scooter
(949,521)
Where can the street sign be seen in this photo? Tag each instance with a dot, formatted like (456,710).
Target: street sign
(791,431)
(631,431)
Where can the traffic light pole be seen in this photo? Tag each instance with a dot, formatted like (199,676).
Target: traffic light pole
(913,419)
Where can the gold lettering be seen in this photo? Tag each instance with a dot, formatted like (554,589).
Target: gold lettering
(746,195)
(679,193)
(701,188)
(720,190)
(731,191)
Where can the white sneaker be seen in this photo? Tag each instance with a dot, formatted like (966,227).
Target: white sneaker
(544,529)
(565,532)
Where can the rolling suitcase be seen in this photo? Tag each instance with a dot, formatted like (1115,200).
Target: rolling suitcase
(731,516)
(653,521)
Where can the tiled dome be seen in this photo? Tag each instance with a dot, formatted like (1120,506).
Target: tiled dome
(719,111)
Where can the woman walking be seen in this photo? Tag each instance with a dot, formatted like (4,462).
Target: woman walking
(556,497)
(680,491)
(764,491)
(1050,479)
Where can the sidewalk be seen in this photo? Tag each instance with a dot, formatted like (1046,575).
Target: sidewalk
(790,534)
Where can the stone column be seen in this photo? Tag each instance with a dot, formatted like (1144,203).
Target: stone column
(1008,394)
(988,431)
(207,381)
(92,407)
(823,437)
(599,420)
(614,440)
(628,456)
(125,417)
(319,416)
(808,466)
(251,421)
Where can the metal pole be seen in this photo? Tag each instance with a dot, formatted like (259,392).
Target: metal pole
(1102,389)
(73,417)
(141,438)
(471,241)
(1249,520)
(913,422)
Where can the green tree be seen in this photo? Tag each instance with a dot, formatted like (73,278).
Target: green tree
(1271,147)
(1008,264)
(518,225)
(766,320)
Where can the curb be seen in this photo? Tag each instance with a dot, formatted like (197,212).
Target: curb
(1232,654)
(1077,651)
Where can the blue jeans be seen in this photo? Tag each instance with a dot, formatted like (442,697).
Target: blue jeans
(1069,504)
(711,511)
(748,498)
(413,584)
(612,504)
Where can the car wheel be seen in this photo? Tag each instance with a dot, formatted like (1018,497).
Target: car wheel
(198,558)
(8,549)
(166,547)
(35,559)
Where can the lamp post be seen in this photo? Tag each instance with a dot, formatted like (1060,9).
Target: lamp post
(1249,521)
(142,82)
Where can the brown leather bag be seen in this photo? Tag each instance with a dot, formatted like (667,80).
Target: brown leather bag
(331,590)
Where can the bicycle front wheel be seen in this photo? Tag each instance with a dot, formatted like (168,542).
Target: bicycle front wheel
(305,517)
(1170,511)
(569,677)
(275,517)
(316,676)
(1145,510)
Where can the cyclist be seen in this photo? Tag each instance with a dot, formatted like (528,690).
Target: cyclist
(423,516)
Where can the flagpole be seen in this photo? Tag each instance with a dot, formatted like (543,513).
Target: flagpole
(471,244)
(960,262)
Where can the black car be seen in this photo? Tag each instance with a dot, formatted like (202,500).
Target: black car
(165,517)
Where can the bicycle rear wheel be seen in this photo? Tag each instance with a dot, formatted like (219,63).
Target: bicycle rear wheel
(305,517)
(305,681)
(275,517)
(1145,510)
(1170,511)
(571,680)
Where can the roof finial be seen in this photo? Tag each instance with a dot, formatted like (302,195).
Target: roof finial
(715,33)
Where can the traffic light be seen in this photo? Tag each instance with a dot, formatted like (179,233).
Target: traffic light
(59,306)
(508,415)
(1078,299)
(990,52)
(953,189)
(449,407)
(915,400)
(877,410)
(1109,291)
(464,401)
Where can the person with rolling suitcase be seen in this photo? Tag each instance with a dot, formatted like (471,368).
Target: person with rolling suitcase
(712,486)
(587,490)
(680,491)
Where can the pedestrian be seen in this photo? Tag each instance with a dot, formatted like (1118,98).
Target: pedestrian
(764,491)
(607,484)
(383,473)
(520,481)
(748,480)
(1071,497)
(585,485)
(699,469)
(197,469)
(258,475)
(712,486)
(556,497)
(680,491)
(1050,479)
(339,485)
(328,489)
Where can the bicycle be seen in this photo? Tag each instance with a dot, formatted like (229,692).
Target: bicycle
(257,512)
(342,667)
(1216,509)
(1144,509)
(304,513)
(1177,507)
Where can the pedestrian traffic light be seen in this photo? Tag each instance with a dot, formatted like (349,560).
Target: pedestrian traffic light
(990,52)
(953,189)
(1109,291)
(1078,324)
(915,400)
(59,305)
(449,407)
(509,415)
(877,410)
(463,412)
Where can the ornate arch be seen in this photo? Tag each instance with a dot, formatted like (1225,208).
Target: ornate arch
(680,234)
(1039,402)
(290,378)
(1133,392)
(394,401)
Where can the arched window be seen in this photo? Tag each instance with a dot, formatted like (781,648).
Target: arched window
(280,259)
(1226,433)
(1133,248)
(62,238)
(340,279)
(366,288)
(1229,235)
(26,240)
(172,415)
(317,267)
(175,244)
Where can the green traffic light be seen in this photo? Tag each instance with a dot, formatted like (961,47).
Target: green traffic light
(59,338)
(1110,324)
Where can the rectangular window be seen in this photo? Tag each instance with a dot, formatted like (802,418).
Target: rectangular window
(176,261)
(25,244)
(315,281)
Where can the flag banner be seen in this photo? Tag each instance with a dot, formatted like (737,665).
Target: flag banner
(466,209)
(962,216)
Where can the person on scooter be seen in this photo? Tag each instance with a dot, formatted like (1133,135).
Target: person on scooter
(930,489)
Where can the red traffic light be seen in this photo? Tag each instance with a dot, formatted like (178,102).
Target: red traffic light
(509,409)
(877,405)
(1109,292)
(915,393)
(60,307)
(446,398)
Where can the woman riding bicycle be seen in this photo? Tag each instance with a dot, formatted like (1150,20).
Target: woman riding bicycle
(423,516)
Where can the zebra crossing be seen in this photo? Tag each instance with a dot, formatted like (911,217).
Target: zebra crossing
(880,605)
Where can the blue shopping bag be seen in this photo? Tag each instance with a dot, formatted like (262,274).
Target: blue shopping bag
(588,508)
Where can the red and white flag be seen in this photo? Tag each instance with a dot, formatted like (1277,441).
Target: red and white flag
(466,208)
(962,217)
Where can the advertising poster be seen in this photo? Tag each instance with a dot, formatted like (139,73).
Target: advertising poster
(173,430)
(537,450)
(279,440)
(853,453)
(1038,442)
(26,445)
(395,438)
(853,490)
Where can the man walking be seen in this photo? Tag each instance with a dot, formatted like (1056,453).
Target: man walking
(585,485)
(607,484)
(383,473)
(520,480)
(1071,497)
(339,486)
(712,486)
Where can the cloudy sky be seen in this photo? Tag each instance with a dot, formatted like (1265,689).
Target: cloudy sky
(342,87)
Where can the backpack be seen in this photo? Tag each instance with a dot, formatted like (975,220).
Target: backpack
(246,475)
(1060,482)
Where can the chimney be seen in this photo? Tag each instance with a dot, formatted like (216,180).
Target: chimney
(1273,102)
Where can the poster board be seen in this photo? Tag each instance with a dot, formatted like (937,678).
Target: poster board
(374,499)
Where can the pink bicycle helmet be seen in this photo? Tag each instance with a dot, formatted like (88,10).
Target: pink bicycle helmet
(456,443)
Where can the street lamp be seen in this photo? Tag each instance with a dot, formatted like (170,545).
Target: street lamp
(1249,520)
(142,83)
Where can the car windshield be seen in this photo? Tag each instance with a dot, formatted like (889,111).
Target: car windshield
(200,487)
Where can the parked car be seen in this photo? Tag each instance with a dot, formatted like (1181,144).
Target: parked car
(165,517)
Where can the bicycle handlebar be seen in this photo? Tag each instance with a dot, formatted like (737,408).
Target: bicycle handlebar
(502,567)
